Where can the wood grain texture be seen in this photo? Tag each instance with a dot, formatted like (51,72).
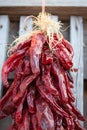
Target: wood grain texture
(85,62)
(64,13)
(4,33)
(82,3)
(76,38)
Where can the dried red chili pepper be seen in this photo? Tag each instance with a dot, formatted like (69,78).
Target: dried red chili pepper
(68,46)
(77,112)
(35,50)
(41,91)
(78,126)
(23,87)
(63,55)
(44,115)
(46,78)
(21,46)
(18,113)
(47,56)
(49,98)
(61,85)
(25,124)
(10,65)
(26,68)
(30,101)
(34,121)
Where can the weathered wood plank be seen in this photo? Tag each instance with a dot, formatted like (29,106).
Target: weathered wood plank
(76,38)
(64,12)
(79,3)
(4,33)
(21,26)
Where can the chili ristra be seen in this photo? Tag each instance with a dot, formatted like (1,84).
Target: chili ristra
(40,96)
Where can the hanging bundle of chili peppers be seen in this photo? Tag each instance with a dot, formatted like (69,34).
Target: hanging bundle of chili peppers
(40,96)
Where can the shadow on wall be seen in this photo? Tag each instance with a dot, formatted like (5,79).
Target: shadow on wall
(5,123)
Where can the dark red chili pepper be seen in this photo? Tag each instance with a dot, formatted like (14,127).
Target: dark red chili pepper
(77,112)
(68,46)
(23,87)
(13,88)
(26,68)
(40,96)
(10,65)
(61,85)
(18,113)
(20,46)
(30,101)
(35,50)
(25,124)
(34,121)
(46,78)
(44,115)
(78,126)
(49,98)
(69,86)
(63,55)
(58,121)
(47,57)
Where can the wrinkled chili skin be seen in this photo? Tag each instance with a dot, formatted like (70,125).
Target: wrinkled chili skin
(10,65)
(37,42)
(44,115)
(30,101)
(20,46)
(18,113)
(46,78)
(49,98)
(47,56)
(23,86)
(25,124)
(40,96)
(68,46)
(57,72)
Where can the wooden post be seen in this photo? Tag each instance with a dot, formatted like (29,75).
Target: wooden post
(76,38)
(4,33)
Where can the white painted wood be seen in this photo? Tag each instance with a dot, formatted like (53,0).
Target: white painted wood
(4,33)
(54,17)
(79,3)
(21,26)
(76,38)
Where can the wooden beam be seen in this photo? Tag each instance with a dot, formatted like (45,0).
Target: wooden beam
(4,32)
(76,38)
(63,12)
(75,3)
